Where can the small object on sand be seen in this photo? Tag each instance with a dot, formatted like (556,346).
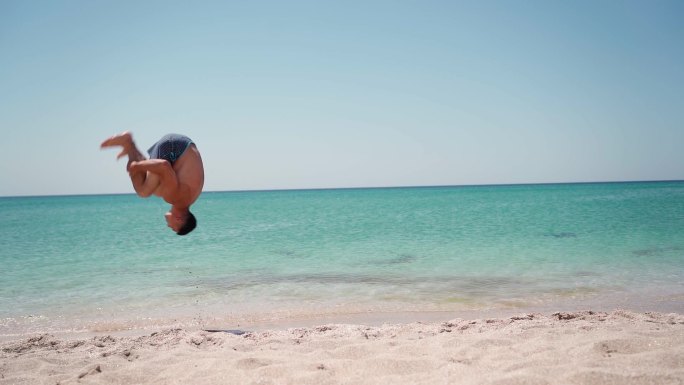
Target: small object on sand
(231,331)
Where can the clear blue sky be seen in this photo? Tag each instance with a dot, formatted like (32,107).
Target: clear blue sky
(308,94)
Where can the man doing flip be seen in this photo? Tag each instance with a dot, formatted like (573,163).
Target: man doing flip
(174,172)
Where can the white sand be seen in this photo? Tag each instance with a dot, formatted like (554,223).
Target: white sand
(619,348)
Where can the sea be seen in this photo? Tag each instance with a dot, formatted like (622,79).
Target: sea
(100,263)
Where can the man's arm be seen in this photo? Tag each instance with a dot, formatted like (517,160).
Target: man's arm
(162,169)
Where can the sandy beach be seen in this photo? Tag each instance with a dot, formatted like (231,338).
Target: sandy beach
(587,347)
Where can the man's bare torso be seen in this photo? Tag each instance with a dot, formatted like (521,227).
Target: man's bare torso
(189,170)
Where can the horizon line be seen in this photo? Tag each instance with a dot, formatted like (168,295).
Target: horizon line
(365,188)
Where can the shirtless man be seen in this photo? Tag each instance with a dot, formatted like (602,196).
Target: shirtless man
(174,172)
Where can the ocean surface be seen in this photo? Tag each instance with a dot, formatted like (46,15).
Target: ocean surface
(108,262)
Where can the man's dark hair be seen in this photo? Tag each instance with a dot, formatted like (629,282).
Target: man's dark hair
(189,225)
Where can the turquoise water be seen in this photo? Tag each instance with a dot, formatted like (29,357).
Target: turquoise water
(99,262)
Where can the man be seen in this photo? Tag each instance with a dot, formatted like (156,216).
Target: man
(174,172)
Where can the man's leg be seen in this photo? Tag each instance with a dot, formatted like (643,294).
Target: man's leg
(125,140)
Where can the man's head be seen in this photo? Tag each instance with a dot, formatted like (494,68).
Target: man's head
(181,224)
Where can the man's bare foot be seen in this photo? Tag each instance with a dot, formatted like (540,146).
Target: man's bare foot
(124,139)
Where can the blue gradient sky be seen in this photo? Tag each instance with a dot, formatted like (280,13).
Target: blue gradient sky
(309,94)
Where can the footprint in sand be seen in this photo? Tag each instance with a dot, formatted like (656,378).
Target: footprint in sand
(251,363)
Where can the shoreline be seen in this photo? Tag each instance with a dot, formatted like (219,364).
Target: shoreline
(575,347)
(283,317)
